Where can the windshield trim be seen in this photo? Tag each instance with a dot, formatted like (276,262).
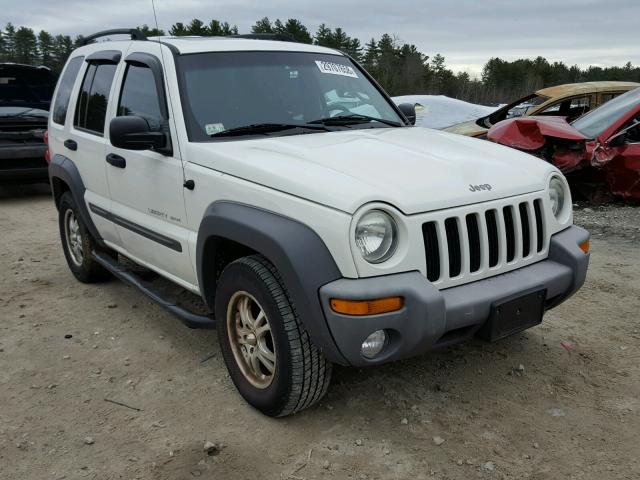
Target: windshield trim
(185,107)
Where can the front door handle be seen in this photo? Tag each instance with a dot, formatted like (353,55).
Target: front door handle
(116,160)
(71,144)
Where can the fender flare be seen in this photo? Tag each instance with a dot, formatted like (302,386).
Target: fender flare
(64,169)
(297,252)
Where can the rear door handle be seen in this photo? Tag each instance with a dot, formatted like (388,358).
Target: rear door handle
(116,160)
(71,144)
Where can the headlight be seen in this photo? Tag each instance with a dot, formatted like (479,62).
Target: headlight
(557,196)
(376,236)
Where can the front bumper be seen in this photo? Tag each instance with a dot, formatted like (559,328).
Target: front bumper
(432,318)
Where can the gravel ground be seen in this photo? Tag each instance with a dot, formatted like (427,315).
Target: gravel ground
(561,400)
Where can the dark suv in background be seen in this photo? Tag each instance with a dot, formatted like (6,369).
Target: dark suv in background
(25,95)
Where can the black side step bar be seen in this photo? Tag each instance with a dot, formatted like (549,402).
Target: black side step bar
(190,319)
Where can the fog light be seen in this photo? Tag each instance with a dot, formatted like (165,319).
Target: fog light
(374,344)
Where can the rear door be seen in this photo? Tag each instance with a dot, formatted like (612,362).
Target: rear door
(146,186)
(81,139)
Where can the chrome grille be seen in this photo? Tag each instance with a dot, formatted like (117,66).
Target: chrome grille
(488,238)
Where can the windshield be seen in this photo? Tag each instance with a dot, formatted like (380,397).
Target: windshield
(594,123)
(22,85)
(227,90)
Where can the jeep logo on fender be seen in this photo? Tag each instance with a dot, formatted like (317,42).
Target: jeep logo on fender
(477,188)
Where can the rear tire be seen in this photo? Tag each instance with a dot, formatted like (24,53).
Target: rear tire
(77,243)
(267,350)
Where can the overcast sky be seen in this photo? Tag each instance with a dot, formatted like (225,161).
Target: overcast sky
(466,32)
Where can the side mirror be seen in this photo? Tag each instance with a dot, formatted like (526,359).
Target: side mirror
(409,111)
(134,133)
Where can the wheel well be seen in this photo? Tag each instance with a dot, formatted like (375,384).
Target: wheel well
(218,253)
(59,186)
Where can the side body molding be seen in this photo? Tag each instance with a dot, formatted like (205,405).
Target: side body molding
(62,168)
(299,254)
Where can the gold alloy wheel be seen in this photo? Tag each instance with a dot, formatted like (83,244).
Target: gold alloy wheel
(73,237)
(251,340)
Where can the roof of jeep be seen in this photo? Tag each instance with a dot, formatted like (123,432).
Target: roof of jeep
(186,45)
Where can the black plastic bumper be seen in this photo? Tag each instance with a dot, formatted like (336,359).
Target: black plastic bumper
(432,318)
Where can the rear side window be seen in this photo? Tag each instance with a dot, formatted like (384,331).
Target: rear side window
(61,104)
(140,97)
(94,97)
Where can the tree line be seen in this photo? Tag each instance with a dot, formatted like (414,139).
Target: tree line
(399,67)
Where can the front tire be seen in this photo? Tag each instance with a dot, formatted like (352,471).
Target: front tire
(77,243)
(268,353)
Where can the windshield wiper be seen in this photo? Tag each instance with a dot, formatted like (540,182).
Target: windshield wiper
(352,119)
(257,128)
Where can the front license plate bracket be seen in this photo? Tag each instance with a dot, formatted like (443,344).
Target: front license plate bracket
(514,314)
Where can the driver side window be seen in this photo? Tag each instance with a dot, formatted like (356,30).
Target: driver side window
(571,107)
(139,96)
(633,134)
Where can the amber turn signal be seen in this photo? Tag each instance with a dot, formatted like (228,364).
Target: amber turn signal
(584,246)
(367,307)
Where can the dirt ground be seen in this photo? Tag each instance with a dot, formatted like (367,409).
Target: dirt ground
(524,408)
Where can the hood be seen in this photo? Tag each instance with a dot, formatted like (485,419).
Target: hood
(527,133)
(470,129)
(414,169)
(22,112)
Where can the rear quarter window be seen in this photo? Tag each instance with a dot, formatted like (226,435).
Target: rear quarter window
(61,103)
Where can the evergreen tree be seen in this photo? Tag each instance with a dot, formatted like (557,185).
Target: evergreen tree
(221,29)
(371,54)
(294,29)
(45,47)
(262,26)
(148,31)
(178,29)
(197,27)
(9,36)
(323,36)
(26,46)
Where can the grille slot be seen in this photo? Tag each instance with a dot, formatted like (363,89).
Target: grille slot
(473,232)
(510,232)
(432,250)
(526,231)
(471,243)
(537,207)
(453,241)
(492,232)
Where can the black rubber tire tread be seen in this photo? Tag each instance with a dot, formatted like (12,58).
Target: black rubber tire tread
(90,271)
(310,370)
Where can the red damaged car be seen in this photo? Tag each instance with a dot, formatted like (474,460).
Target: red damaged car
(603,145)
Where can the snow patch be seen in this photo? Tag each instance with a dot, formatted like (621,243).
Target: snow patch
(440,111)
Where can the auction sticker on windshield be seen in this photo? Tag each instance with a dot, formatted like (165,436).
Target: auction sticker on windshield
(336,69)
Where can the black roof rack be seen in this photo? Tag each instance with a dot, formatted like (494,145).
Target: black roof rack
(282,37)
(135,34)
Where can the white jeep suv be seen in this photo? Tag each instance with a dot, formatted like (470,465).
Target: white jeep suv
(279,182)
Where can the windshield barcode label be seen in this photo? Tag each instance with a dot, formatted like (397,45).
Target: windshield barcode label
(336,69)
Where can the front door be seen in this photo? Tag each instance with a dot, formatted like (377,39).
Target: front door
(623,172)
(146,186)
